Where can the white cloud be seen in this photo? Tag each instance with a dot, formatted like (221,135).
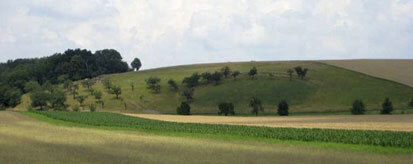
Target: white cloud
(174,32)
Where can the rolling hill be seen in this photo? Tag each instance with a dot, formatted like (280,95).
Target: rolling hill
(391,69)
(326,88)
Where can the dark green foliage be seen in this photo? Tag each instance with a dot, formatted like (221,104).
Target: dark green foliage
(117,91)
(173,84)
(387,107)
(235,74)
(136,64)
(206,76)
(216,77)
(39,98)
(283,108)
(9,97)
(358,137)
(57,100)
(410,104)
(48,86)
(256,105)
(226,109)
(290,73)
(184,109)
(31,86)
(188,94)
(301,72)
(226,71)
(92,107)
(192,81)
(68,85)
(152,83)
(75,108)
(358,107)
(71,65)
(253,72)
(97,94)
(62,78)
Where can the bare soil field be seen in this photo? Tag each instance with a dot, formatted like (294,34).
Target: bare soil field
(400,70)
(362,122)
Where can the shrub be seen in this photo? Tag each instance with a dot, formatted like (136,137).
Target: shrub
(39,98)
(58,99)
(192,81)
(92,107)
(188,94)
(117,91)
(235,74)
(253,72)
(283,108)
(387,106)
(410,104)
(152,83)
(173,84)
(206,76)
(301,72)
(217,77)
(75,108)
(226,71)
(184,109)
(226,108)
(256,105)
(358,107)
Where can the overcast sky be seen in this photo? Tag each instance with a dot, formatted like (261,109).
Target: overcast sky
(172,32)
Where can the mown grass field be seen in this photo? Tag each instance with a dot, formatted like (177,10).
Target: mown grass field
(362,122)
(391,69)
(326,89)
(26,140)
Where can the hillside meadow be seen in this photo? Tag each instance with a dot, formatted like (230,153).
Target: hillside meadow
(399,70)
(325,89)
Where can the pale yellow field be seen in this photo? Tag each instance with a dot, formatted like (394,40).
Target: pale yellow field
(395,70)
(363,122)
(24,140)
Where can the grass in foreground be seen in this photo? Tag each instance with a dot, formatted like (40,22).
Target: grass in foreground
(25,140)
(358,137)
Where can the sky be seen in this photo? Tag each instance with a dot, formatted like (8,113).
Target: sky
(175,32)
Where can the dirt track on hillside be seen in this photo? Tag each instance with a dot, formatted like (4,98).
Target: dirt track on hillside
(363,122)
(395,70)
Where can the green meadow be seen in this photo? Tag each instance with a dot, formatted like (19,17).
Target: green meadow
(325,89)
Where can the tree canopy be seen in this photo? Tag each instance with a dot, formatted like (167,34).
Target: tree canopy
(73,64)
(136,64)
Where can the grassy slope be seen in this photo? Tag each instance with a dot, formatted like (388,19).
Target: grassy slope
(327,88)
(391,69)
(29,141)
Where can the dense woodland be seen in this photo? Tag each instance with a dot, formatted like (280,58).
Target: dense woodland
(71,65)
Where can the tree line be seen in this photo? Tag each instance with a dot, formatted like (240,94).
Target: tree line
(73,64)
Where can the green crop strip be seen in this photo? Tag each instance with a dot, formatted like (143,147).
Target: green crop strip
(359,137)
